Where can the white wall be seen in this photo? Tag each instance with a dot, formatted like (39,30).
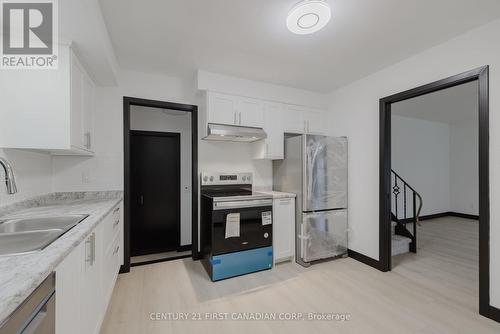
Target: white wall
(33,172)
(354,112)
(464,168)
(421,156)
(153,119)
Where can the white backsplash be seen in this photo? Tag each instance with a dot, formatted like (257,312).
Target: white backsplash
(33,172)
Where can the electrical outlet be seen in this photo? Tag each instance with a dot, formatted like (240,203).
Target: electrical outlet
(85,178)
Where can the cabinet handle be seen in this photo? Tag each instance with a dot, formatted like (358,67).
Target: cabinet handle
(93,249)
(88,143)
(88,250)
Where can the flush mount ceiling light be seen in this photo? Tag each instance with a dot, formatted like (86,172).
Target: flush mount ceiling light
(308,16)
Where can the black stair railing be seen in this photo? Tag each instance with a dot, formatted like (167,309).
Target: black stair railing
(403,211)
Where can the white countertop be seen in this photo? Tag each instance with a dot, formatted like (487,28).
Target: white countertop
(21,274)
(278,194)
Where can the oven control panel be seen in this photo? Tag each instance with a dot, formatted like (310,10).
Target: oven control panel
(226,178)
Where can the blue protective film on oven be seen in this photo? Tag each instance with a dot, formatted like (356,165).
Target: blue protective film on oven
(240,263)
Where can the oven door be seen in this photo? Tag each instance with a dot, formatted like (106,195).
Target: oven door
(253,218)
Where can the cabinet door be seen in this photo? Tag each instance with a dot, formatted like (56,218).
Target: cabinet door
(284,229)
(250,112)
(68,275)
(293,120)
(76,97)
(92,307)
(275,141)
(221,109)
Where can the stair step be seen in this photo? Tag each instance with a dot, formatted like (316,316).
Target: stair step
(400,244)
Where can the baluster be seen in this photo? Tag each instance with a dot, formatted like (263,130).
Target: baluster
(414,250)
(404,199)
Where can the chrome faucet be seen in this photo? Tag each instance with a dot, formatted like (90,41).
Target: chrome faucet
(10,180)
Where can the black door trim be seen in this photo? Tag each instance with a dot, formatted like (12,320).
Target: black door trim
(171,135)
(127,103)
(480,74)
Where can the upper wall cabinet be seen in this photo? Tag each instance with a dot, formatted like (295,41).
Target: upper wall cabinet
(294,120)
(273,146)
(303,120)
(234,110)
(49,110)
(275,118)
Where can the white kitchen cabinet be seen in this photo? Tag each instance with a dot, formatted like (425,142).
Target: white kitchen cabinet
(234,110)
(86,277)
(250,112)
(68,293)
(221,108)
(48,110)
(283,229)
(112,251)
(293,120)
(92,306)
(274,145)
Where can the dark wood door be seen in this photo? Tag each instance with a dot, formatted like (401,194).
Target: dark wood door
(155,192)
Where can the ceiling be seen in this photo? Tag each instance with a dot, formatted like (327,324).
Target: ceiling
(249,38)
(452,105)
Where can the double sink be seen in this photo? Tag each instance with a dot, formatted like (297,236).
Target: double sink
(26,235)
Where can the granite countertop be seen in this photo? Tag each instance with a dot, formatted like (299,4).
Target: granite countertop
(279,194)
(21,274)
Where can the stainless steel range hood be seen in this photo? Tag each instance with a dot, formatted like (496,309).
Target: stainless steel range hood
(220,132)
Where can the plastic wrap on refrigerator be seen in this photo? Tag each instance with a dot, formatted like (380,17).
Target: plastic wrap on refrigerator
(324,235)
(325,173)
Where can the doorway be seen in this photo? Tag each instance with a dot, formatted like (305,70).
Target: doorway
(154,177)
(155,192)
(479,75)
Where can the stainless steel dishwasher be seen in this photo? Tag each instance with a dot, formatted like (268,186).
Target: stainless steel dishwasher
(36,315)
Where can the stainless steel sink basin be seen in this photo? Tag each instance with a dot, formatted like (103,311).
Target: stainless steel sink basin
(20,236)
(37,224)
(24,242)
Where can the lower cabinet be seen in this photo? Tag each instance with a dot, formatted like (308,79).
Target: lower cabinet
(86,278)
(283,229)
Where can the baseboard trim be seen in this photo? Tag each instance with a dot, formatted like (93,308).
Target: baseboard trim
(184,248)
(463,215)
(364,259)
(493,313)
(441,215)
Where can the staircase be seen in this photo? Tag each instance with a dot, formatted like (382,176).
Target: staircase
(406,205)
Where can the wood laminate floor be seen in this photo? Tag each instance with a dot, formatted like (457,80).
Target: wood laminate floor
(434,291)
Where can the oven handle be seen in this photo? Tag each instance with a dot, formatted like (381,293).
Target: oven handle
(242,204)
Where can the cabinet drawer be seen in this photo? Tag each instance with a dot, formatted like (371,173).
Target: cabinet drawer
(111,265)
(111,226)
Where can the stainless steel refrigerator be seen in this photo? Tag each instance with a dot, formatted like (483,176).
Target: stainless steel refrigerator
(315,168)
